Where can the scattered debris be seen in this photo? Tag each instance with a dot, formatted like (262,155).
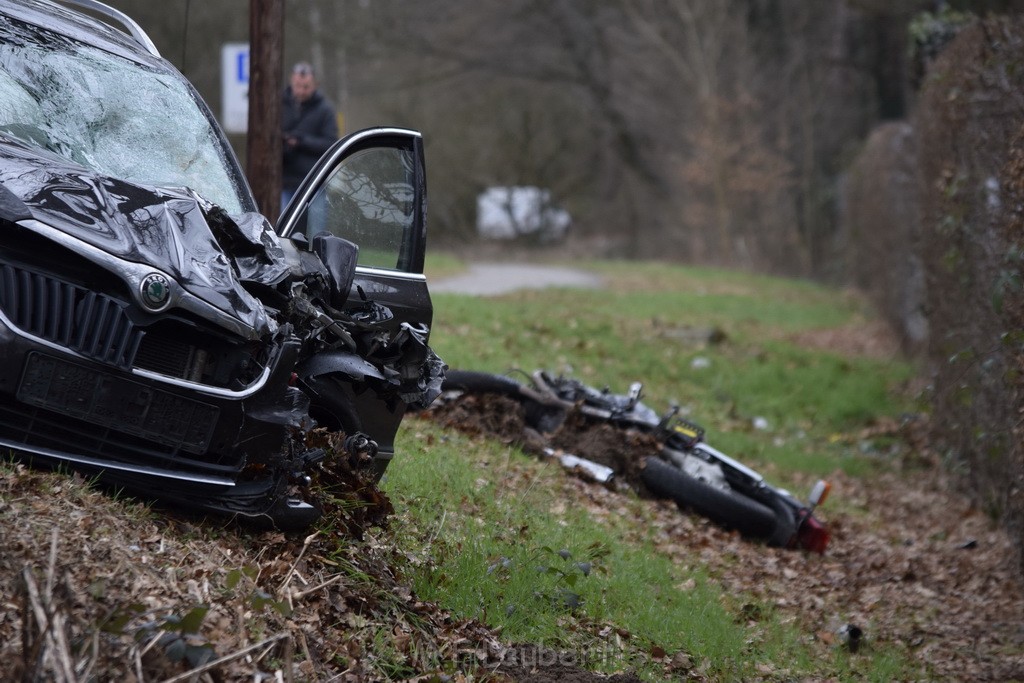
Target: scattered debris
(587,468)
(607,448)
(850,636)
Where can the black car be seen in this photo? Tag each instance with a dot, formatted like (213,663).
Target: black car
(154,328)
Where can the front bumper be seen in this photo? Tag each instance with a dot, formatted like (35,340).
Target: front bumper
(60,408)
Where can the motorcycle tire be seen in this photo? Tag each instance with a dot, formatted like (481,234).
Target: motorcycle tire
(785,524)
(728,508)
(542,418)
(474,382)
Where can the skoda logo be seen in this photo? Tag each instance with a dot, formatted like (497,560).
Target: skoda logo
(155,290)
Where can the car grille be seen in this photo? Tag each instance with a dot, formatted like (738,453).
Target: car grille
(90,323)
(98,326)
(170,357)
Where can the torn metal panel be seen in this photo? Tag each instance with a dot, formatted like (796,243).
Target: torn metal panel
(161,227)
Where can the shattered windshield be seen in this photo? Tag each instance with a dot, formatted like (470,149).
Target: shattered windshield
(112,115)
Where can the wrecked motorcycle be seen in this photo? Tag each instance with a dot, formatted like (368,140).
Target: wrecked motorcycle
(156,331)
(687,469)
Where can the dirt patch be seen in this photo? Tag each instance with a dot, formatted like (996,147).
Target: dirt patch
(621,450)
(871,339)
(505,418)
(496,416)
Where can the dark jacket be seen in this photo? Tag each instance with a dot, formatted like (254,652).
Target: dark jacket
(315,125)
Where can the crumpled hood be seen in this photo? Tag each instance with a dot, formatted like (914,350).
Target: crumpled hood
(207,252)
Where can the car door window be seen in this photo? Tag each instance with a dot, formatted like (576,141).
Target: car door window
(370,199)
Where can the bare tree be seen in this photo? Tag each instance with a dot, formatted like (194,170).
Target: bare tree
(712,130)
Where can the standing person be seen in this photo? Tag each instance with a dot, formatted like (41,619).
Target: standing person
(309,127)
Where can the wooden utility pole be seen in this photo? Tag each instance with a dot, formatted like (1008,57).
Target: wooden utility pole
(263,142)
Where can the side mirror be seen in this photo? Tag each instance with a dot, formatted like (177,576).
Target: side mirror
(339,256)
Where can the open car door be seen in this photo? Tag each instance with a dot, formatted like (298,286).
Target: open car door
(370,189)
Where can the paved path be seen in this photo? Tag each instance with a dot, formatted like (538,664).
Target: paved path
(492,279)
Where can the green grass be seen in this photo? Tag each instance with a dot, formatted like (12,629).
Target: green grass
(478,519)
(440,264)
(638,329)
(494,555)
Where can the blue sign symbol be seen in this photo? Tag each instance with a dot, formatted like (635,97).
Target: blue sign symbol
(242,66)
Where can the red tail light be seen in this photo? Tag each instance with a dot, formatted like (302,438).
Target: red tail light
(813,535)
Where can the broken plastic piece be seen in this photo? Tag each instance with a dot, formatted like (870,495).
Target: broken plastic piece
(819,493)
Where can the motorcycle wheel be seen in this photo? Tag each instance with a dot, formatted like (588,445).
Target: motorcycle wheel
(543,418)
(785,524)
(727,508)
(474,382)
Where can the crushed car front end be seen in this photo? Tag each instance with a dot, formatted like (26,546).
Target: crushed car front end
(154,328)
(111,365)
(143,330)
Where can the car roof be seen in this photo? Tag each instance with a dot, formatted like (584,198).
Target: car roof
(78,26)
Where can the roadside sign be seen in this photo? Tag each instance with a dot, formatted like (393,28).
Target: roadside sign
(234,79)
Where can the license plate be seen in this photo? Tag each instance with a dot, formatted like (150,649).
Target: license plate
(117,403)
